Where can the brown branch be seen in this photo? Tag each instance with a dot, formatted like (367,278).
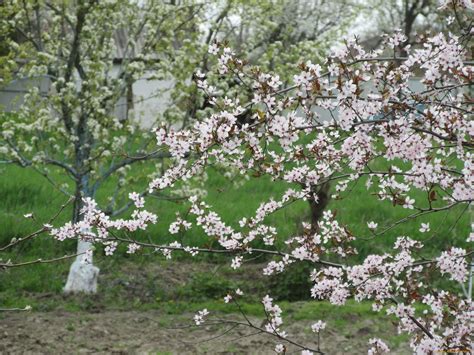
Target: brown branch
(221,251)
(39,261)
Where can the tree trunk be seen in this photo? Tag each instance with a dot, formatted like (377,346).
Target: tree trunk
(82,276)
(318,204)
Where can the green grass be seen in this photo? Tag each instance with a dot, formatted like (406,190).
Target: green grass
(448,228)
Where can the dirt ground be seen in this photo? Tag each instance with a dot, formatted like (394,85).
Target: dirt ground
(151,332)
(94,328)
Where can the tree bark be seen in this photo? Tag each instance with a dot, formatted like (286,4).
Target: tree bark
(318,204)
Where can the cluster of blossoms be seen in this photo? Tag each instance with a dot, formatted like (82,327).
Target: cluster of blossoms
(318,326)
(228,298)
(360,120)
(199,318)
(95,225)
(273,312)
(453,263)
(377,347)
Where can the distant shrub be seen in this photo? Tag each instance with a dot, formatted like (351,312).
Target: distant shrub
(294,284)
(205,286)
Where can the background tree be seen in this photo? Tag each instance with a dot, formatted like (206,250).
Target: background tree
(75,127)
(414,18)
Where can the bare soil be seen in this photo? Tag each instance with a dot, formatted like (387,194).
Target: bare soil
(96,328)
(151,332)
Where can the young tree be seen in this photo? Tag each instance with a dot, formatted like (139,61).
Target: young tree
(75,128)
(412,149)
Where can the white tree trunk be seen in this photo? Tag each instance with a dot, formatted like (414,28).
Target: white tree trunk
(82,275)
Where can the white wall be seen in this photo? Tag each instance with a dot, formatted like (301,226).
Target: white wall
(11,96)
(151,97)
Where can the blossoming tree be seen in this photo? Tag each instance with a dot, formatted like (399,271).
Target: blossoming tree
(411,148)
